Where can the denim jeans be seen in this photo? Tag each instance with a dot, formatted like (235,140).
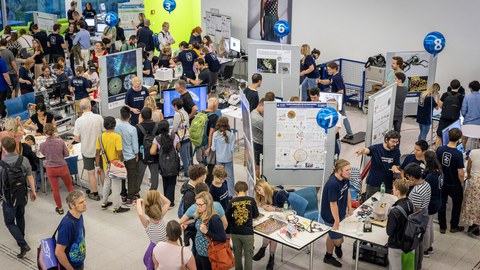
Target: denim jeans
(307,83)
(230,177)
(14,218)
(424,129)
(186,156)
(346,123)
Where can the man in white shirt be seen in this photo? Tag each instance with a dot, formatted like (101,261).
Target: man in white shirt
(87,129)
(25,40)
(164,36)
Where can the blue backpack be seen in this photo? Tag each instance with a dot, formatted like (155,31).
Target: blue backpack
(156,42)
(181,209)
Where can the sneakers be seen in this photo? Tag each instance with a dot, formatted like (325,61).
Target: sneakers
(59,211)
(120,209)
(338,251)
(93,197)
(124,199)
(348,137)
(457,229)
(105,205)
(430,250)
(329,259)
(271,262)
(23,251)
(130,202)
(443,231)
(426,254)
(260,254)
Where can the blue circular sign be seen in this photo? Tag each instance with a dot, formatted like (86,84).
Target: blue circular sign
(281,28)
(111,19)
(434,43)
(169,5)
(327,118)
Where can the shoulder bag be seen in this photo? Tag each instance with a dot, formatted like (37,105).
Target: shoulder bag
(116,168)
(220,254)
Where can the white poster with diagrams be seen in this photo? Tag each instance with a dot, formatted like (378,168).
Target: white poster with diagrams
(218,26)
(380,115)
(274,61)
(45,21)
(300,141)
(128,13)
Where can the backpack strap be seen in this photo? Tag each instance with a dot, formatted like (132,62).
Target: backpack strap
(404,213)
(19,162)
(104,154)
(142,129)
(4,165)
(155,129)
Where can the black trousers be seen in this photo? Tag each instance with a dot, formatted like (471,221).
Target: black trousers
(456,193)
(203,263)
(169,183)
(131,166)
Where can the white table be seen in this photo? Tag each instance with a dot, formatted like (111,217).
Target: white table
(351,227)
(300,241)
(223,60)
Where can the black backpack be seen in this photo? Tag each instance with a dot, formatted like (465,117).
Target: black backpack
(451,107)
(147,142)
(14,183)
(168,163)
(414,229)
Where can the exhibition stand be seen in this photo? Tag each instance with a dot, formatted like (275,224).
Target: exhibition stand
(248,144)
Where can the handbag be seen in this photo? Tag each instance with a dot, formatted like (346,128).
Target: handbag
(116,168)
(46,259)
(220,254)
(408,261)
(183,267)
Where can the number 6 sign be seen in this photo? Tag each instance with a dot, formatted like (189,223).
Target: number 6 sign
(434,43)
(281,28)
(327,118)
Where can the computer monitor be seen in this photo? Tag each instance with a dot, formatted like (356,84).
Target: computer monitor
(101,27)
(456,124)
(90,22)
(59,89)
(198,93)
(278,99)
(325,96)
(235,44)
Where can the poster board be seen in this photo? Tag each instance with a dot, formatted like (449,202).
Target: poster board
(128,12)
(420,68)
(248,143)
(279,67)
(297,150)
(116,72)
(45,21)
(218,26)
(380,115)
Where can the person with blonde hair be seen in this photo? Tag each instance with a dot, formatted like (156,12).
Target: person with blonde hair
(135,99)
(55,151)
(151,103)
(270,200)
(426,103)
(165,37)
(308,70)
(209,227)
(165,59)
(141,20)
(25,76)
(38,57)
(223,144)
(156,207)
(13,129)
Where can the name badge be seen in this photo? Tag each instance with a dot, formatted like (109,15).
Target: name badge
(143,92)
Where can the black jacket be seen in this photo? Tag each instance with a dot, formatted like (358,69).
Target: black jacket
(145,36)
(188,193)
(397,222)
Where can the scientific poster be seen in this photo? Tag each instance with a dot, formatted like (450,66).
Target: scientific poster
(121,69)
(300,141)
(382,117)
(247,136)
(274,61)
(218,26)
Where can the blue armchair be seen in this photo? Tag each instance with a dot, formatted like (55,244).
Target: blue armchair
(310,195)
(19,106)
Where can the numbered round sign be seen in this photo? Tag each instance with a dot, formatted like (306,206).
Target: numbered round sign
(169,5)
(111,19)
(434,43)
(327,118)
(281,28)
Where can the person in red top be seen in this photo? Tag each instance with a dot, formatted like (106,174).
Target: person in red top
(98,52)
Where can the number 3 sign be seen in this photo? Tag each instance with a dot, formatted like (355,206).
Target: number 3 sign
(327,118)
(169,5)
(434,43)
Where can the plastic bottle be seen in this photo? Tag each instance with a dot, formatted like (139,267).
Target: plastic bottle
(285,206)
(367,226)
(382,189)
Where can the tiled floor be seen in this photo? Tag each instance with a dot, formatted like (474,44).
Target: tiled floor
(118,241)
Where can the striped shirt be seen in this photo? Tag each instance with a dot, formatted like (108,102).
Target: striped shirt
(420,195)
(157,232)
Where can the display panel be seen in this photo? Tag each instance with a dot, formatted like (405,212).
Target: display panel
(235,44)
(198,93)
(456,124)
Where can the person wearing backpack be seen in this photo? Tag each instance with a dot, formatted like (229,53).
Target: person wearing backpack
(420,197)
(15,172)
(396,224)
(166,147)
(451,104)
(70,249)
(181,127)
(146,132)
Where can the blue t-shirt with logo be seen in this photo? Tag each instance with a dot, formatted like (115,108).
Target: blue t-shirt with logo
(80,85)
(212,62)
(382,162)
(451,160)
(335,190)
(75,247)
(187,58)
(424,110)
(306,64)
(411,159)
(337,84)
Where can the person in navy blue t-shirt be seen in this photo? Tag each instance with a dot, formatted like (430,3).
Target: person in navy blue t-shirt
(219,188)
(336,200)
(187,58)
(308,69)
(79,87)
(385,160)
(135,99)
(417,157)
(338,86)
(434,177)
(213,65)
(426,103)
(71,249)
(454,178)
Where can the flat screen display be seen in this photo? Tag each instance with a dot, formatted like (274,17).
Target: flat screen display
(90,22)
(235,44)
(198,93)
(456,124)
(326,96)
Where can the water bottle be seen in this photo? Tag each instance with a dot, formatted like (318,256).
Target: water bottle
(285,206)
(382,189)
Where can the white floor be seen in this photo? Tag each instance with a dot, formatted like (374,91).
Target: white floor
(118,241)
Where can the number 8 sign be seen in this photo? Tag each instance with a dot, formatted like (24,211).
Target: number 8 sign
(434,43)
(281,28)
(327,118)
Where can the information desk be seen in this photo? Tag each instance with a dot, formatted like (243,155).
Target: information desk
(300,241)
(353,228)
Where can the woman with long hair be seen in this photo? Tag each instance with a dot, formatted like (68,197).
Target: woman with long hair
(308,70)
(38,120)
(99,51)
(196,35)
(434,177)
(426,103)
(165,59)
(38,57)
(270,200)
(471,202)
(13,128)
(223,143)
(151,103)
(174,247)
(55,151)
(141,20)
(89,12)
(208,225)
(163,144)
(156,207)
(208,43)
(268,18)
